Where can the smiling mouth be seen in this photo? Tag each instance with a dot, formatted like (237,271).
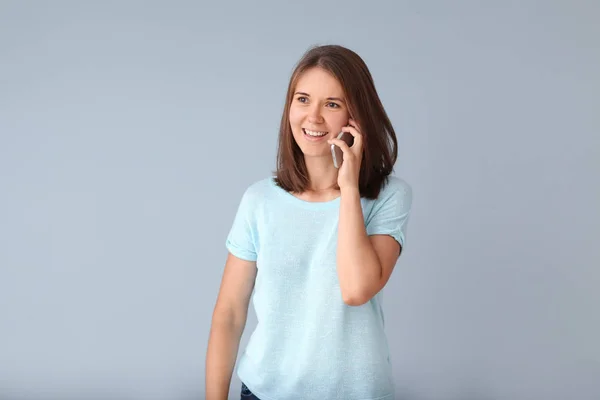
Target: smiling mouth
(315,134)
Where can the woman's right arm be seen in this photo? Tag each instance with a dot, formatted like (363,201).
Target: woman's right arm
(228,323)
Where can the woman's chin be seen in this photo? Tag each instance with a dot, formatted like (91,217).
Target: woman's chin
(313,155)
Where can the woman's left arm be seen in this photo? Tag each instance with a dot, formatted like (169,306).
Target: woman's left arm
(364,263)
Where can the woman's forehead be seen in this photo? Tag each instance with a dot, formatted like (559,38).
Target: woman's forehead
(318,82)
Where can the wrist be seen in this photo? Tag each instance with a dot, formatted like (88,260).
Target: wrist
(349,191)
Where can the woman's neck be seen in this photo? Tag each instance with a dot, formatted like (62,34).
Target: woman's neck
(322,175)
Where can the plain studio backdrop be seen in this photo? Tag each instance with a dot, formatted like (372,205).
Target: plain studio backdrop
(129,131)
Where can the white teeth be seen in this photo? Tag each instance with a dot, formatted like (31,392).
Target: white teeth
(313,133)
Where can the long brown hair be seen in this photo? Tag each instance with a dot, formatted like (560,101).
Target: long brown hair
(364,106)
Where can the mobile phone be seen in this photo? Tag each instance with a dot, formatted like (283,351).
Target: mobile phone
(336,153)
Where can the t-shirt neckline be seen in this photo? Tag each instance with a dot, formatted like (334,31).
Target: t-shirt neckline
(313,205)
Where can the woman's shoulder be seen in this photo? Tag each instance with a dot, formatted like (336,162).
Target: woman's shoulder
(395,183)
(397,187)
(262,185)
(395,198)
(259,189)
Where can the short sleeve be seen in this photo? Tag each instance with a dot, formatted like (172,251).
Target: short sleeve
(391,212)
(241,240)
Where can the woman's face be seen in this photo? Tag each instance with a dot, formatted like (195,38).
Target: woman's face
(318,112)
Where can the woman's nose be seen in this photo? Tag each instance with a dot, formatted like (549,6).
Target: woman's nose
(315,115)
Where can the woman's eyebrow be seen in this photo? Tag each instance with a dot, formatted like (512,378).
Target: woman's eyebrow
(329,98)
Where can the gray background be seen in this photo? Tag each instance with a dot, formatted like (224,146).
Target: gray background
(129,131)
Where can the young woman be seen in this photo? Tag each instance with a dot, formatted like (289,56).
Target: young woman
(316,244)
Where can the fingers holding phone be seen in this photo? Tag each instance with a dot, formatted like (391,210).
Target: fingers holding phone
(336,152)
(346,151)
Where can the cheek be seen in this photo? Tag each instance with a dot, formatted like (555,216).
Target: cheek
(340,119)
(295,117)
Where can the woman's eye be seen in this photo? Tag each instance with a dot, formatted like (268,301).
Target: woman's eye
(302,99)
(333,105)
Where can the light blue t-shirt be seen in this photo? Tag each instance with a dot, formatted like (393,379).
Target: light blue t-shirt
(308,344)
